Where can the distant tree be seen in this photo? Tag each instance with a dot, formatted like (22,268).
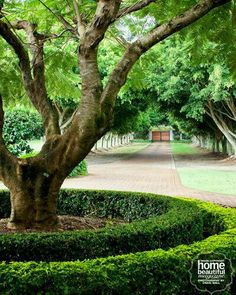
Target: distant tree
(200,98)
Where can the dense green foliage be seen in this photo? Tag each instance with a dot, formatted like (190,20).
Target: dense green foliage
(80,169)
(178,82)
(169,77)
(20,126)
(195,97)
(152,272)
(156,222)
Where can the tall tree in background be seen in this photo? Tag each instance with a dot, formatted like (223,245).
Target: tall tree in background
(34,183)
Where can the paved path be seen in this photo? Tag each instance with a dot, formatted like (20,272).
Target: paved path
(150,170)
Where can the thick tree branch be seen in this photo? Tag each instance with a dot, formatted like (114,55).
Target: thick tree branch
(94,33)
(19,49)
(1,120)
(135,7)
(139,47)
(105,13)
(221,125)
(80,24)
(38,94)
(232,133)
(8,162)
(179,22)
(231,105)
(226,112)
(34,84)
(86,121)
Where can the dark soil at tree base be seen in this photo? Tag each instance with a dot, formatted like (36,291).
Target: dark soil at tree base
(68,223)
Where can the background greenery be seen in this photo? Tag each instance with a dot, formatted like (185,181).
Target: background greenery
(21,126)
(171,84)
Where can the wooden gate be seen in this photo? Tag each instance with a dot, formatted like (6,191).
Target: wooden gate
(161,135)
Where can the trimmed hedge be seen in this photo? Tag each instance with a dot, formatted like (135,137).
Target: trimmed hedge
(112,204)
(153,272)
(157,222)
(128,206)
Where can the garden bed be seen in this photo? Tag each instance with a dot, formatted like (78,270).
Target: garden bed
(68,223)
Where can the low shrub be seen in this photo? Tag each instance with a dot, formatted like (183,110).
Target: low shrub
(18,147)
(80,169)
(29,155)
(112,204)
(20,126)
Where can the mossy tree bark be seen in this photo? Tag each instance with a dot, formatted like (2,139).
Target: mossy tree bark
(34,183)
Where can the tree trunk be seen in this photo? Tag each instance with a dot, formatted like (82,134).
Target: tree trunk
(217,146)
(213,145)
(223,127)
(33,199)
(224,146)
(33,209)
(229,138)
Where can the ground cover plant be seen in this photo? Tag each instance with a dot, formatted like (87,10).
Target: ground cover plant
(174,229)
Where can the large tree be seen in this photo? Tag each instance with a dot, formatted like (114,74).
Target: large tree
(34,182)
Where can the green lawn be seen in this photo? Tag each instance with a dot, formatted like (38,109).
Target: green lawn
(180,148)
(209,180)
(205,179)
(127,149)
(131,148)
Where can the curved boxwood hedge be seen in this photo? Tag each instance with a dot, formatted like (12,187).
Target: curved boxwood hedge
(151,272)
(127,205)
(157,222)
